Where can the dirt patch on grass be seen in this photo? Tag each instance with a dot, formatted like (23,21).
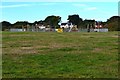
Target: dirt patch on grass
(27,48)
(97,50)
(115,36)
(22,50)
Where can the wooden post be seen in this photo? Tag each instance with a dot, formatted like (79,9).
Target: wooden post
(88,28)
(27,27)
(22,28)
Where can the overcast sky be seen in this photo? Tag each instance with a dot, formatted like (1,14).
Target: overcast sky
(31,11)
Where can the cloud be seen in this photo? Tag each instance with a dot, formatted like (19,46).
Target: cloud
(91,8)
(14,6)
(85,7)
(79,5)
(26,5)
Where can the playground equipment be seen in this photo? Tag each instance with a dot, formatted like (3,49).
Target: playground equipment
(73,28)
(59,30)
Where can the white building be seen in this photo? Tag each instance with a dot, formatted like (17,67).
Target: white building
(42,27)
(66,25)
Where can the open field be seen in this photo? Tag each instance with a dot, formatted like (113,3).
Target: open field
(55,55)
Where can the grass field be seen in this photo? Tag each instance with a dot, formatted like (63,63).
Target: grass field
(60,55)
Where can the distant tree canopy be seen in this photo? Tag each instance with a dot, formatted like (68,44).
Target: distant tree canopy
(103,24)
(19,24)
(88,23)
(75,20)
(5,25)
(52,21)
(113,23)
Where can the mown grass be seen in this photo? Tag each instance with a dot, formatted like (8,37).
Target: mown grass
(60,55)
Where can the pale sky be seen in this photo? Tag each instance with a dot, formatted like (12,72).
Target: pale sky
(35,10)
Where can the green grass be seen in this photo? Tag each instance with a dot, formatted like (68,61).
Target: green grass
(60,55)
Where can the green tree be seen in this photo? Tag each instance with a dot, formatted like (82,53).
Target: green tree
(88,22)
(19,24)
(52,21)
(113,23)
(75,20)
(5,25)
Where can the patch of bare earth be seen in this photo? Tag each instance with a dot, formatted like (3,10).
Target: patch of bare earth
(23,50)
(97,50)
(115,36)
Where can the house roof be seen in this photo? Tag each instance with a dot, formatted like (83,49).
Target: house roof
(64,23)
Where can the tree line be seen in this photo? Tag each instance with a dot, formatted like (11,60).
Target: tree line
(53,21)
